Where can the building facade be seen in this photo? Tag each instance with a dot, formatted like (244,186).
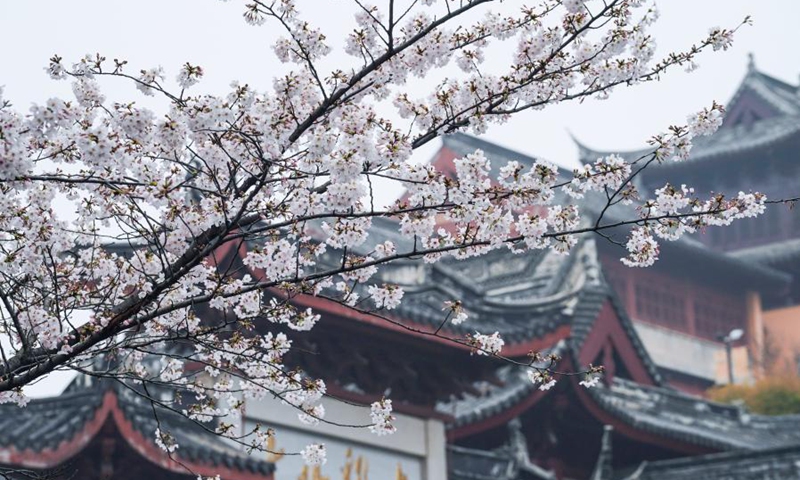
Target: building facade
(755,149)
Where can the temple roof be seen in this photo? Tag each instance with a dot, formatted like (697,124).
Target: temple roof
(519,295)
(48,432)
(472,464)
(662,411)
(510,385)
(778,463)
(763,111)
(774,254)
(462,144)
(524,297)
(756,447)
(504,464)
(750,275)
(736,139)
(778,94)
(672,414)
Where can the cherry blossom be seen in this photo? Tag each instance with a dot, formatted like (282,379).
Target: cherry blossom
(456,310)
(282,176)
(643,248)
(387,296)
(165,441)
(487,344)
(314,454)
(381,416)
(543,379)
(591,380)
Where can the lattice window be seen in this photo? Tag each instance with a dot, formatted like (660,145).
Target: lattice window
(715,317)
(755,231)
(659,304)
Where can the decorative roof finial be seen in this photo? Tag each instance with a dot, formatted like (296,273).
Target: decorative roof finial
(751,62)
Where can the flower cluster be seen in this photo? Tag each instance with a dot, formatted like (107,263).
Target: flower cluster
(382,418)
(590,380)
(676,211)
(387,296)
(456,312)
(314,454)
(487,344)
(165,441)
(542,378)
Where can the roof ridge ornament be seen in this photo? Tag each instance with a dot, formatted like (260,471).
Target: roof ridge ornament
(603,469)
(751,62)
(518,447)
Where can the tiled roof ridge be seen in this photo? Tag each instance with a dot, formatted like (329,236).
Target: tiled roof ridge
(779,94)
(696,420)
(777,81)
(513,389)
(767,464)
(674,393)
(456,141)
(93,406)
(726,456)
(769,254)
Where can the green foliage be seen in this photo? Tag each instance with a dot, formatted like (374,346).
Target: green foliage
(770,396)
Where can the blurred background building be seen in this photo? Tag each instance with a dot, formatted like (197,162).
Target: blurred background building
(756,149)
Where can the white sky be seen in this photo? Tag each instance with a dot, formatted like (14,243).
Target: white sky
(212,34)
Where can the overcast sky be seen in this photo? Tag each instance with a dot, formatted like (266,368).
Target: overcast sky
(212,34)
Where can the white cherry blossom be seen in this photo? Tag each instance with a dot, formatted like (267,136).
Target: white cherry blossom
(314,454)
(213,218)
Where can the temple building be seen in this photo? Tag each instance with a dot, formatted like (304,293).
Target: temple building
(462,416)
(755,149)
(683,303)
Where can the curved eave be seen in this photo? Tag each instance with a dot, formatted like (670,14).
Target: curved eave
(110,410)
(772,254)
(629,426)
(714,461)
(517,394)
(784,130)
(529,396)
(676,416)
(518,344)
(776,93)
(672,431)
(463,144)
